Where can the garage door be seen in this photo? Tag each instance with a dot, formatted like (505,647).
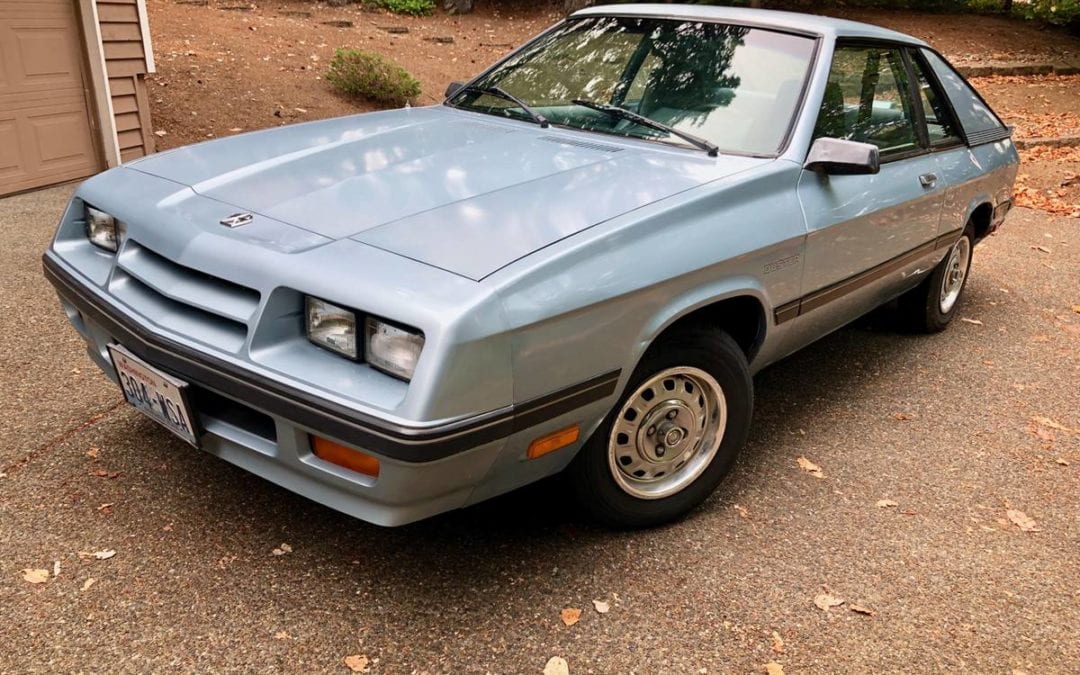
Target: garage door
(45,132)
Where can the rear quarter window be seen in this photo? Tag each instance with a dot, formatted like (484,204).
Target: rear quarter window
(974,115)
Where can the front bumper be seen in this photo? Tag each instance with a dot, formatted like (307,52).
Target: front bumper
(264,426)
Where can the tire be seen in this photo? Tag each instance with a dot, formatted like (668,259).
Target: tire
(692,371)
(930,306)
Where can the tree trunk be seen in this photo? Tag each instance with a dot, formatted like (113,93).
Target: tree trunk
(458,6)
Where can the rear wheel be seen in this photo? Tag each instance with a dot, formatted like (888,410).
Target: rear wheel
(672,437)
(929,307)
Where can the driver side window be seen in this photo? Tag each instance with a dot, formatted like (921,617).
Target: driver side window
(868,99)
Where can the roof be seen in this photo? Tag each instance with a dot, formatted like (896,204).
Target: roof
(794,21)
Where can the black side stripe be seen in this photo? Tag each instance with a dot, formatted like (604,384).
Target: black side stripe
(405,443)
(823,296)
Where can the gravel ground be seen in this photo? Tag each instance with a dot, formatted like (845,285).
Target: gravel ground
(943,426)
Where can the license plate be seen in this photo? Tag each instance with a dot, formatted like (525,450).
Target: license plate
(160,397)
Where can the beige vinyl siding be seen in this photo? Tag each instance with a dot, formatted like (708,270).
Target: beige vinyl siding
(125,65)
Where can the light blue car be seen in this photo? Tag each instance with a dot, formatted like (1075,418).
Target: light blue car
(576,262)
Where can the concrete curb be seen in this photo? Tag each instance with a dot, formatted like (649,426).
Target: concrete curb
(1006,68)
(1064,142)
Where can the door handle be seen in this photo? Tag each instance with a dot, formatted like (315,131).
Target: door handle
(928,180)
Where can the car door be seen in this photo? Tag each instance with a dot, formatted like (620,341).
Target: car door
(869,236)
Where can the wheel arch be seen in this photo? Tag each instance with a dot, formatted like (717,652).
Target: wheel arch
(739,309)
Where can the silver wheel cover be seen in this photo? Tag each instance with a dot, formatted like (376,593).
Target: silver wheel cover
(667,433)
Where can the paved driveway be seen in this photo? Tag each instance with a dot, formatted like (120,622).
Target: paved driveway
(942,426)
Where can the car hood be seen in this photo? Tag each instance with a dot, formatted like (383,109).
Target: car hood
(464,192)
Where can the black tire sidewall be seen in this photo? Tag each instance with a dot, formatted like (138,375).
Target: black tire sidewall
(710,350)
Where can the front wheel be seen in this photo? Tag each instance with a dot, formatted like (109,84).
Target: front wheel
(929,307)
(673,435)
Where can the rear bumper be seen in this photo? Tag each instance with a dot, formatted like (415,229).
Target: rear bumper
(264,426)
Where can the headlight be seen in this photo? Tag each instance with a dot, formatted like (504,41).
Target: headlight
(331,327)
(392,349)
(103,230)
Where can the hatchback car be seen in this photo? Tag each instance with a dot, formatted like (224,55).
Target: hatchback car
(576,262)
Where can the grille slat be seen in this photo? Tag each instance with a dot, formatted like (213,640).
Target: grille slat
(187,286)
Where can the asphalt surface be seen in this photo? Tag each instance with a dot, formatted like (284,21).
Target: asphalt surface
(942,425)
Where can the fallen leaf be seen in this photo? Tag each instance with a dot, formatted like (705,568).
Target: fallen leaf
(357,663)
(35,576)
(774,668)
(557,665)
(903,417)
(1042,249)
(570,616)
(974,322)
(1076,308)
(810,468)
(885,504)
(282,635)
(282,550)
(601,607)
(824,601)
(1021,520)
(777,643)
(93,453)
(56,568)
(88,583)
(106,506)
(1062,461)
(104,554)
(1047,422)
(859,609)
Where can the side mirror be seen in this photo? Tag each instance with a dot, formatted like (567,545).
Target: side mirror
(843,158)
(453,88)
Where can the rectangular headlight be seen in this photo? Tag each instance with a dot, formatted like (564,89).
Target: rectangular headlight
(103,230)
(391,348)
(331,327)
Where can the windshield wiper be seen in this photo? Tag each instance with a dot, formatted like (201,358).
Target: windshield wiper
(499,92)
(625,114)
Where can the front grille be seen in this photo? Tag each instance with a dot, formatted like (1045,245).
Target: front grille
(198,305)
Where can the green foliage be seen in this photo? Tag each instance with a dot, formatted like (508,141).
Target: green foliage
(367,75)
(410,7)
(1057,12)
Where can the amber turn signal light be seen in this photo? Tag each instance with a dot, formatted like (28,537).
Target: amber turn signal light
(351,459)
(552,442)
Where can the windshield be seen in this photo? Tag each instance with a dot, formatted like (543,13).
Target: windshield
(733,86)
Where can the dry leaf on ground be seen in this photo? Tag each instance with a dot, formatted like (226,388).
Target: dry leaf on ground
(825,600)
(777,643)
(93,453)
(570,615)
(1021,520)
(282,635)
(1047,422)
(774,668)
(860,609)
(88,583)
(885,504)
(903,416)
(974,322)
(1076,308)
(601,607)
(104,554)
(557,665)
(35,576)
(282,550)
(810,468)
(357,663)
